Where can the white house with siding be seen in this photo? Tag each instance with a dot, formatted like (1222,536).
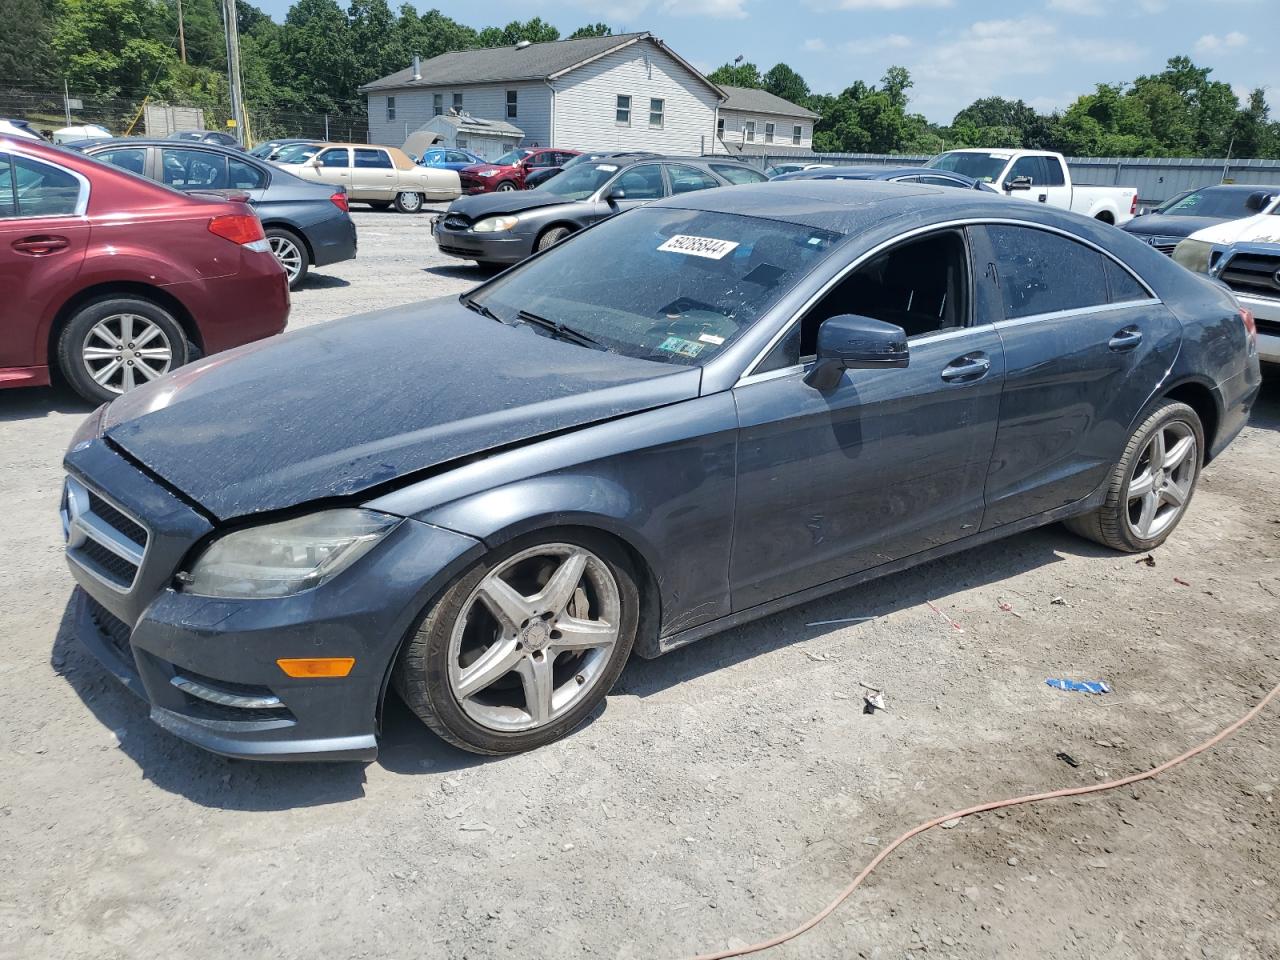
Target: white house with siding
(756,122)
(626,92)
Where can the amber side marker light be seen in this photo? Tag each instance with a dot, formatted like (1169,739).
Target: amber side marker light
(317,666)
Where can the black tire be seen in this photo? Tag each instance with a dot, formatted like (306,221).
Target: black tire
(506,186)
(409,202)
(283,239)
(72,341)
(553,236)
(421,674)
(1110,524)
(379,204)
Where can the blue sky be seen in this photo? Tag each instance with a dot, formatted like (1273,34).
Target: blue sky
(1046,52)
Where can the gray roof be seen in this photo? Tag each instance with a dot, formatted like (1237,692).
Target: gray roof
(537,61)
(470,124)
(751,100)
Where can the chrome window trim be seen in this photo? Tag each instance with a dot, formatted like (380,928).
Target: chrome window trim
(931,228)
(1073,312)
(82,201)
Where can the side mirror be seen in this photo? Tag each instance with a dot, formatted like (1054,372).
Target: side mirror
(1258,201)
(313,162)
(617,193)
(1017,183)
(850,342)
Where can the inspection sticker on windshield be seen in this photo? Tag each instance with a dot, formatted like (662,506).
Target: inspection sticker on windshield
(685,348)
(708,247)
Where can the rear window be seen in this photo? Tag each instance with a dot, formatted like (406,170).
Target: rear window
(737,173)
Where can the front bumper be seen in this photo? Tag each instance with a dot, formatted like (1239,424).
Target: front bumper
(505,247)
(1266,313)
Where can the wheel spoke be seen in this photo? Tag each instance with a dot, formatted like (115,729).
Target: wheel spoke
(148,372)
(505,602)
(129,381)
(150,333)
(539,685)
(100,353)
(126,328)
(1141,484)
(163,354)
(1176,494)
(578,634)
(1157,449)
(105,373)
(1150,504)
(1179,452)
(555,596)
(495,663)
(103,333)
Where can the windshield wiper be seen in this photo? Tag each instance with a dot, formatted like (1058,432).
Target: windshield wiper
(561,330)
(471,303)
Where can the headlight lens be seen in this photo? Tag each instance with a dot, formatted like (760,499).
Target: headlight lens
(495,224)
(90,428)
(282,559)
(489,173)
(1194,255)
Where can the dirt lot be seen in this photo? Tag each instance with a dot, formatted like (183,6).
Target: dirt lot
(723,793)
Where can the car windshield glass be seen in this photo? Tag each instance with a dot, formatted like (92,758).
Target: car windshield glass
(679,286)
(297,153)
(1211,203)
(507,159)
(980,166)
(579,182)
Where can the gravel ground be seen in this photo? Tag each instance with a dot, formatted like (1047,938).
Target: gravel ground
(723,793)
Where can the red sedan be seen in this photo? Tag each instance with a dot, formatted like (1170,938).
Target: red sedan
(510,169)
(116,280)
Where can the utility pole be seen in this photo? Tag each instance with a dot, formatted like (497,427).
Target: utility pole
(182,35)
(66,100)
(233,67)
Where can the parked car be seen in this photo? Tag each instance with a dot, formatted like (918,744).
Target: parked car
(508,172)
(1180,216)
(18,128)
(934,178)
(306,223)
(680,420)
(449,158)
(114,281)
(81,133)
(206,136)
(778,169)
(506,227)
(1042,177)
(379,176)
(294,153)
(270,149)
(536,178)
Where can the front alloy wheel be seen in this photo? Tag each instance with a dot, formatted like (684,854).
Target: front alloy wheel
(506,186)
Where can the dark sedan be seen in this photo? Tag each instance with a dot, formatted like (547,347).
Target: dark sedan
(507,227)
(925,175)
(307,224)
(270,149)
(216,137)
(1180,216)
(538,177)
(684,418)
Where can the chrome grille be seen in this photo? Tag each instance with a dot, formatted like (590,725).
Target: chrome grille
(1250,273)
(456,221)
(101,538)
(1164,244)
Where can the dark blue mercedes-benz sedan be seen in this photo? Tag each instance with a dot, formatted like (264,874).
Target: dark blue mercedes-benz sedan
(691,415)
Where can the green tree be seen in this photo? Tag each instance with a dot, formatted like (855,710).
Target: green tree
(316,51)
(745,74)
(535,31)
(895,84)
(784,82)
(111,47)
(25,54)
(592,30)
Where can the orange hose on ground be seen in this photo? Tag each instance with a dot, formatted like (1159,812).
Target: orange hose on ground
(844,894)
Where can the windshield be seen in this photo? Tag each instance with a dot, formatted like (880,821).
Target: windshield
(579,182)
(1224,204)
(661,283)
(509,159)
(297,152)
(984,167)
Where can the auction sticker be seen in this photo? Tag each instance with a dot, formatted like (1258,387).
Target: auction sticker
(685,348)
(708,247)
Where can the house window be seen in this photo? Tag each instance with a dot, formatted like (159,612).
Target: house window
(457,101)
(768,133)
(796,133)
(437,104)
(462,143)
(513,104)
(720,128)
(748,131)
(657,109)
(391,108)
(624,109)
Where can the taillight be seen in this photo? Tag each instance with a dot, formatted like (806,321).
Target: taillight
(339,200)
(1250,328)
(239,228)
(1133,205)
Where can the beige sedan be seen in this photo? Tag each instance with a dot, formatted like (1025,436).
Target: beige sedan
(378,176)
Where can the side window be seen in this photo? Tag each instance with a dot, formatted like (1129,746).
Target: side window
(1042,272)
(1031,167)
(748,130)
(337,157)
(1053,172)
(641,183)
(657,113)
(193,169)
(437,104)
(133,159)
(244,176)
(622,109)
(688,179)
(1121,284)
(8,196)
(942,182)
(513,104)
(376,159)
(391,108)
(453,156)
(769,128)
(739,173)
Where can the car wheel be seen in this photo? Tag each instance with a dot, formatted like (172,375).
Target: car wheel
(291,253)
(111,346)
(1153,483)
(552,237)
(408,202)
(506,186)
(380,204)
(521,648)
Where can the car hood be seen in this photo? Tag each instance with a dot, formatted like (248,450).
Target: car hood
(341,408)
(513,201)
(1262,228)
(1163,225)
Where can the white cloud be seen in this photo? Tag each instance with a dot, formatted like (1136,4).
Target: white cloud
(716,9)
(815,45)
(894,41)
(879,4)
(1084,8)
(1212,43)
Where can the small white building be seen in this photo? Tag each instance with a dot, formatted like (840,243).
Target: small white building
(488,138)
(756,122)
(626,92)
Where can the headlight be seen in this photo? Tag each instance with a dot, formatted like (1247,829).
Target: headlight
(488,173)
(495,224)
(281,559)
(1194,255)
(90,429)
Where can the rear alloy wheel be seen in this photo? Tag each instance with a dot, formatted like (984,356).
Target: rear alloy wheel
(519,650)
(506,186)
(552,237)
(291,254)
(111,346)
(408,202)
(1152,484)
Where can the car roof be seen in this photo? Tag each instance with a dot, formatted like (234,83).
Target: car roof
(85,145)
(1237,188)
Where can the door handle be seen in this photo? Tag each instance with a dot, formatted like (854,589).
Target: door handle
(972,366)
(1044,198)
(41,246)
(1125,339)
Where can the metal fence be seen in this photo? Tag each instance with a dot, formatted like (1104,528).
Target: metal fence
(1157,178)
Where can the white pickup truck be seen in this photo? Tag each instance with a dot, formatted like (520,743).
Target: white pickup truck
(1042,177)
